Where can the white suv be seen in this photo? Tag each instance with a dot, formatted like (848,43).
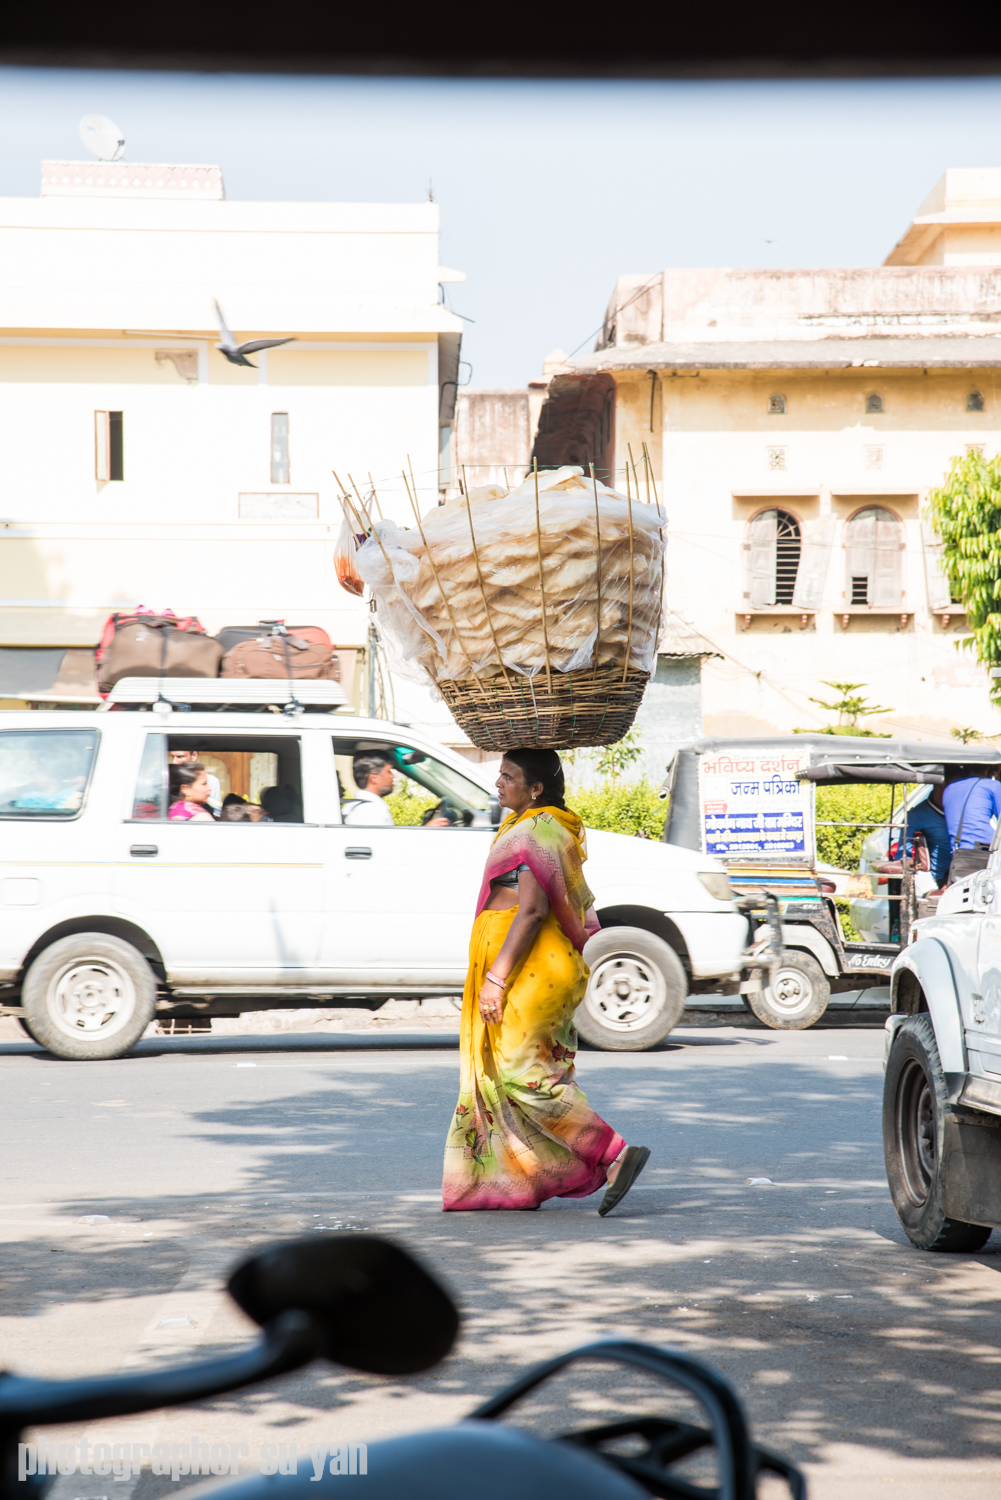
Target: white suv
(942,1089)
(111,914)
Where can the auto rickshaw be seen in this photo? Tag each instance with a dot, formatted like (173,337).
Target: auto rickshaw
(752,803)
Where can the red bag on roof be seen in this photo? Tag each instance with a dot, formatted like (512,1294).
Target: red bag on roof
(141,613)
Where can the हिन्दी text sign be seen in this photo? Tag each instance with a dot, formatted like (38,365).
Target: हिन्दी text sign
(752,803)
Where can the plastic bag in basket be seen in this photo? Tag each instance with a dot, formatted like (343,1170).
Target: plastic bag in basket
(570,581)
(344,560)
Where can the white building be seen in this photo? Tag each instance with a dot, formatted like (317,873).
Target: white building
(142,466)
(796,420)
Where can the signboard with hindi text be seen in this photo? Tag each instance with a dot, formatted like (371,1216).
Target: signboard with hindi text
(752,805)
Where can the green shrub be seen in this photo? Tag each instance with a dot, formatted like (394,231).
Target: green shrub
(621,807)
(409,803)
(842,847)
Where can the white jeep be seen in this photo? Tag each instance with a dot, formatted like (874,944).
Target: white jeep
(112,914)
(942,1089)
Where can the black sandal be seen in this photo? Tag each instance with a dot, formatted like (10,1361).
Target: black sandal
(634,1159)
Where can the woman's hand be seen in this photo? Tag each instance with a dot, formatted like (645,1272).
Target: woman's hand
(491,1001)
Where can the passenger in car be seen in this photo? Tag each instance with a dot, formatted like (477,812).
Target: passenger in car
(189,794)
(374,778)
(282,804)
(190,758)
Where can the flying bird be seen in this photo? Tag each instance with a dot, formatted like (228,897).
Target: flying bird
(237,353)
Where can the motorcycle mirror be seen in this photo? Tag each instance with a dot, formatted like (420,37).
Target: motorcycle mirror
(375,1306)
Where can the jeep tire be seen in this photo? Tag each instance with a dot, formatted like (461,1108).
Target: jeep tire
(636,993)
(797,995)
(88,997)
(915,1107)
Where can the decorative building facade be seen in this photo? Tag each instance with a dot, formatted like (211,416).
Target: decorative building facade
(144,466)
(795,422)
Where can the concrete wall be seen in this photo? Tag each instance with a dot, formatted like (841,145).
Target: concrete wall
(719,448)
(670,714)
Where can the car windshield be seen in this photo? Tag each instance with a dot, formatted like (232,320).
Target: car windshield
(44,772)
(440,779)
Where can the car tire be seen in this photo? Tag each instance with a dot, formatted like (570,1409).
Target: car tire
(88,997)
(636,993)
(22,1022)
(915,1107)
(797,995)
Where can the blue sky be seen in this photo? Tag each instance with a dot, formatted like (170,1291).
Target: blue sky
(548,190)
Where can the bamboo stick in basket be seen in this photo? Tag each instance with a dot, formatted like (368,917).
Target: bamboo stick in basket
(347,506)
(479,576)
(441,589)
(371,527)
(663,554)
(542,586)
(597,533)
(629,633)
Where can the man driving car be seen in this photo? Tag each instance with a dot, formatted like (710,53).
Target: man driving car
(375,778)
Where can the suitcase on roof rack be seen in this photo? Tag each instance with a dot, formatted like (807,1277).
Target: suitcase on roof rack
(234,635)
(287,656)
(144,643)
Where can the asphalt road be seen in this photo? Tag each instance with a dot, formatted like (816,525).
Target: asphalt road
(871,1363)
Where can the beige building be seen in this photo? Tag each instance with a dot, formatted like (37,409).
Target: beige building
(143,466)
(796,421)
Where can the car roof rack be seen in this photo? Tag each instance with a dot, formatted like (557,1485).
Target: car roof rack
(222,693)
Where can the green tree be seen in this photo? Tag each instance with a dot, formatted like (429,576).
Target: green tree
(966,512)
(850,707)
(965,735)
(614,759)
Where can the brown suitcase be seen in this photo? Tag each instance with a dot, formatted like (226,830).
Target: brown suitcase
(287,656)
(156,648)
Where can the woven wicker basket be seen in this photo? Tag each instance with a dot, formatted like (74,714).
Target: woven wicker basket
(590,707)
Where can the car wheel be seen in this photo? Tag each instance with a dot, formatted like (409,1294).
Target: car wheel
(636,993)
(89,996)
(915,1106)
(21,1021)
(797,996)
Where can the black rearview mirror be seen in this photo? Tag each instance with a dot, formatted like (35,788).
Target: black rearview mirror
(377,1309)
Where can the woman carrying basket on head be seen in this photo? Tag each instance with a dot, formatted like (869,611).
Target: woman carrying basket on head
(523,1130)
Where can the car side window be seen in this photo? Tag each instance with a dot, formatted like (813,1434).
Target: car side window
(425,791)
(45,773)
(226,778)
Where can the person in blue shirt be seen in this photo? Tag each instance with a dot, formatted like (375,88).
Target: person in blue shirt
(972,802)
(929,819)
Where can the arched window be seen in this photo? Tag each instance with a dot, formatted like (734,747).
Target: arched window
(773,547)
(776,406)
(873,404)
(874,542)
(974,401)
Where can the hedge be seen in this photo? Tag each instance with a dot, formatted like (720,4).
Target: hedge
(842,847)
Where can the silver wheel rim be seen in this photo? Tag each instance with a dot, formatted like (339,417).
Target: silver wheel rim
(626,992)
(92,998)
(790,992)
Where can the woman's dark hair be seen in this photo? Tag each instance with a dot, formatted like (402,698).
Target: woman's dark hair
(544,766)
(184,775)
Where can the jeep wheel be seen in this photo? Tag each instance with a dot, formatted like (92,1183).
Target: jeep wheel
(636,993)
(797,995)
(915,1105)
(89,996)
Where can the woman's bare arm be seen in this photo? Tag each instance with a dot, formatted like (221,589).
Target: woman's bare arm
(533,908)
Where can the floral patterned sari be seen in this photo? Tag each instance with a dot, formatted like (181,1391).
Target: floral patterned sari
(523,1130)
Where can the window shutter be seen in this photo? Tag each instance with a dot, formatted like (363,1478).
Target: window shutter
(939,592)
(760,560)
(811,576)
(886,585)
(861,548)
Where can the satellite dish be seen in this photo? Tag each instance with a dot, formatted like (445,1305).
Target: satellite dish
(102,136)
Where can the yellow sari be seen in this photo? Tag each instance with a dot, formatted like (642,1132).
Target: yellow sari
(522,1130)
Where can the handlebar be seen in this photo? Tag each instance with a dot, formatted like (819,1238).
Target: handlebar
(366,1303)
